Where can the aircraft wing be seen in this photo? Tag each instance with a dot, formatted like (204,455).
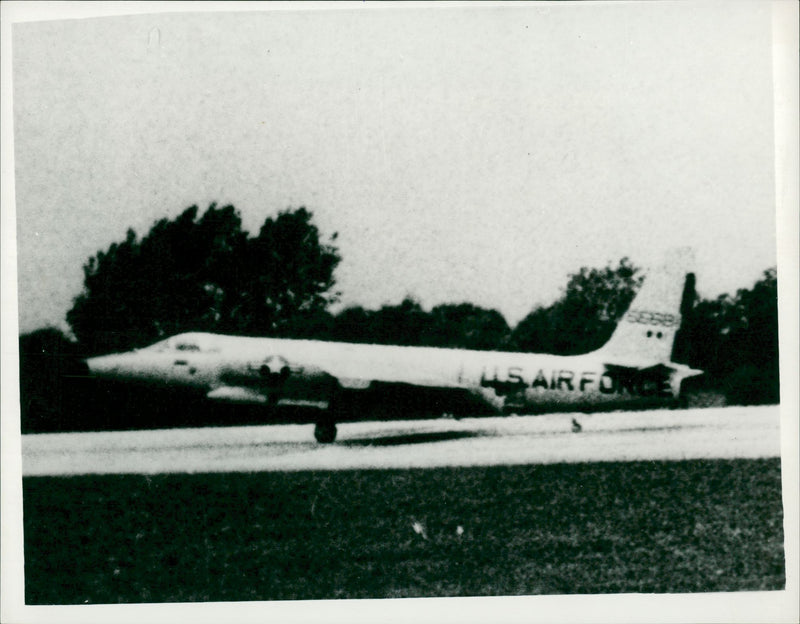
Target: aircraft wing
(432,385)
(385,374)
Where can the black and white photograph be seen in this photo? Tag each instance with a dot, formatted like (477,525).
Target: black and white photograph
(400,312)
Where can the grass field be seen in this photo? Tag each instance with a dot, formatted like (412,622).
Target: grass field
(691,526)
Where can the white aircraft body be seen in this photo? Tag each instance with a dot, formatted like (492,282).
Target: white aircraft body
(633,369)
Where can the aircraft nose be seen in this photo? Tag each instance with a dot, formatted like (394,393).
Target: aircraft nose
(103,366)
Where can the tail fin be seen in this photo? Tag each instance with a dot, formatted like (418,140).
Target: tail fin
(647,330)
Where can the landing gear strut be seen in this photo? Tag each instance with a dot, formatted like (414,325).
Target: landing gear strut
(325,432)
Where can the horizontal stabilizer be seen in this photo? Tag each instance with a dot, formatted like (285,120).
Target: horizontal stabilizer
(654,373)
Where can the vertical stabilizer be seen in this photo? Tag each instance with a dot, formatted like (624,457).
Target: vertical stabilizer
(646,332)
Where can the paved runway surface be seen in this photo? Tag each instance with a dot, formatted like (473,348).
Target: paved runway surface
(620,436)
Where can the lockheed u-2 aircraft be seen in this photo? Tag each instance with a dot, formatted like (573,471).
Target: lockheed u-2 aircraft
(633,369)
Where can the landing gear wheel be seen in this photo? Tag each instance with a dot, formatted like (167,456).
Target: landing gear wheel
(325,432)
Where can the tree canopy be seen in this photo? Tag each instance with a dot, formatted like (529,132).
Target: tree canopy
(585,316)
(456,326)
(204,273)
(734,339)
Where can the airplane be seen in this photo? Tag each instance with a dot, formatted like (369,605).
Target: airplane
(344,381)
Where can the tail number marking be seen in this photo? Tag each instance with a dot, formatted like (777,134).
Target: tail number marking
(653,318)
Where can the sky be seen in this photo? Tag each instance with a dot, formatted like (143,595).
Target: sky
(476,154)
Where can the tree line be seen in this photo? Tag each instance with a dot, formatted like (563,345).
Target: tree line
(203,272)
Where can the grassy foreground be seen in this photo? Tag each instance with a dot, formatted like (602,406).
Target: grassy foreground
(689,526)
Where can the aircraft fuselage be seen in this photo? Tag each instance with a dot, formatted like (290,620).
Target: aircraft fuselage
(274,371)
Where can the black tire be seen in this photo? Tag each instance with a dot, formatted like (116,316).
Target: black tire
(325,432)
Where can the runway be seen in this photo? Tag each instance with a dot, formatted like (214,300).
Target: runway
(734,432)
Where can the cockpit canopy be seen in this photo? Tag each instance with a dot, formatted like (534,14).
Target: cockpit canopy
(183,343)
